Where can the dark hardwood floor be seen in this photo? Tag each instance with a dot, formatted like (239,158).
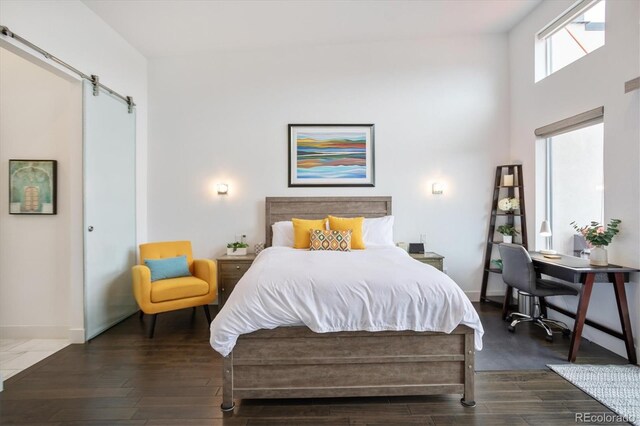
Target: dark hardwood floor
(527,349)
(122,377)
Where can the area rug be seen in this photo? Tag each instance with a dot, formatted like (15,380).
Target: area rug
(616,386)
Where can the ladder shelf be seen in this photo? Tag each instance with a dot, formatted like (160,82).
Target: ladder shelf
(501,191)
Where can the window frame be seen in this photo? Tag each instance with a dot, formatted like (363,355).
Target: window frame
(544,135)
(543,37)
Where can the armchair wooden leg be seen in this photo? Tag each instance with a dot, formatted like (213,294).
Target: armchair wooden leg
(153,325)
(207,313)
(141,314)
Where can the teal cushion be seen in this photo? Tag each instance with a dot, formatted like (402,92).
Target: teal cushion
(171,267)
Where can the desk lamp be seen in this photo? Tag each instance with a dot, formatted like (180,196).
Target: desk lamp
(545,231)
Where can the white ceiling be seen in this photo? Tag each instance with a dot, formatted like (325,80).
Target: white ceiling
(179,27)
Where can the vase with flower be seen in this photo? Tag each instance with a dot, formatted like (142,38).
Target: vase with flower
(598,237)
(509,204)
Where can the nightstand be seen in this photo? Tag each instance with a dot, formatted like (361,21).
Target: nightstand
(430,258)
(230,270)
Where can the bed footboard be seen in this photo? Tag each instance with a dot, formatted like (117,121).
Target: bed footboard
(294,362)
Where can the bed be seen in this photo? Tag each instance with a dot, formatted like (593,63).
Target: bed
(296,362)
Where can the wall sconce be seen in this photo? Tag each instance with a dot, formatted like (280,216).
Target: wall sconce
(437,188)
(223,189)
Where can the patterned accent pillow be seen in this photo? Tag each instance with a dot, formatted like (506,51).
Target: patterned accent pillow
(330,240)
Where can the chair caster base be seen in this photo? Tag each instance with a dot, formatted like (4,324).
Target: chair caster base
(548,338)
(469,404)
(511,329)
(566,333)
(227,409)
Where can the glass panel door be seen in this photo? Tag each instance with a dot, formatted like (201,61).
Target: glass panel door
(109,210)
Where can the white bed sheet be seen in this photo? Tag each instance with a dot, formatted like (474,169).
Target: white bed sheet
(363,290)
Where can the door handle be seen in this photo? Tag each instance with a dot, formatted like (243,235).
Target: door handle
(90,229)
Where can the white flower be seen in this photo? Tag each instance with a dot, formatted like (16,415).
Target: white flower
(508,204)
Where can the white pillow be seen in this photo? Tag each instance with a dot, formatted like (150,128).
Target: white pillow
(282,234)
(378,231)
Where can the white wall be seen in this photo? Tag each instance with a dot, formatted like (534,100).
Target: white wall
(41,119)
(594,80)
(74,33)
(440,108)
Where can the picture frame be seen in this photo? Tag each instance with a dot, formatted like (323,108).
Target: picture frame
(33,186)
(331,155)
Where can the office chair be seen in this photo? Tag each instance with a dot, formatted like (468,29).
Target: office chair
(518,272)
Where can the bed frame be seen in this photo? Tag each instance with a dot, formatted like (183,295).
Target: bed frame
(294,362)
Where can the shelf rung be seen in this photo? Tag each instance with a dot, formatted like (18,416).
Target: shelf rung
(500,242)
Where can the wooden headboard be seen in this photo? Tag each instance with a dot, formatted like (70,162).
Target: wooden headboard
(285,208)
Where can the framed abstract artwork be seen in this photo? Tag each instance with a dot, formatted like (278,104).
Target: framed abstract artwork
(331,155)
(32,187)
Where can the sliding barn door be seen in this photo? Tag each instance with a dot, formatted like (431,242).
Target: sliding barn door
(109,210)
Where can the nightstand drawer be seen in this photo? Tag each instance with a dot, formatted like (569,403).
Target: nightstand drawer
(234,267)
(231,275)
(438,264)
(230,271)
(430,258)
(226,285)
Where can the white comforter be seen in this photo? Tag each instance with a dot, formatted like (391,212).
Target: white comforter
(374,289)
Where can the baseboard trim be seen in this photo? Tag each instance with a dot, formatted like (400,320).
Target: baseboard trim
(76,335)
(34,332)
(474,296)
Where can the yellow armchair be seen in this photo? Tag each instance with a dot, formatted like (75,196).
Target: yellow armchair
(172,294)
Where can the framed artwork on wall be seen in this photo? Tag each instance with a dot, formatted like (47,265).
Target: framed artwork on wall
(331,155)
(32,187)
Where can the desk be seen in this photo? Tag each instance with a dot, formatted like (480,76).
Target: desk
(579,271)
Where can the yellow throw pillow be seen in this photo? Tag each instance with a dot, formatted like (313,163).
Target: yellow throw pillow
(302,231)
(354,224)
(330,240)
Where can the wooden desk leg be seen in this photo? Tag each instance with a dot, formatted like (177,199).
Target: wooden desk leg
(623,311)
(507,302)
(581,314)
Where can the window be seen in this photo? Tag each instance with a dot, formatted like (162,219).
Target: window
(572,178)
(574,34)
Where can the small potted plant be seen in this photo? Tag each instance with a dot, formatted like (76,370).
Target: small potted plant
(508,232)
(598,237)
(497,263)
(237,248)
